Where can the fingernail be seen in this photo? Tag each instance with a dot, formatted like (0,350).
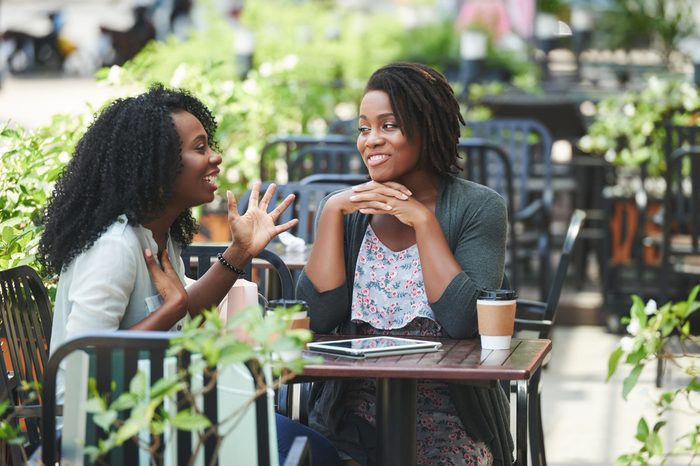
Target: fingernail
(148,252)
(409,193)
(388,207)
(352,198)
(404,197)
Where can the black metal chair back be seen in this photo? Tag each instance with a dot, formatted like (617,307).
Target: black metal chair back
(488,164)
(350,179)
(326,158)
(680,252)
(540,316)
(292,150)
(528,144)
(308,197)
(198,258)
(25,324)
(114,361)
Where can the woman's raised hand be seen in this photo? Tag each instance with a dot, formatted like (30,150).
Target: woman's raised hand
(252,231)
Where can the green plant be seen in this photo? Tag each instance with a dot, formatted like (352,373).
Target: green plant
(265,342)
(664,22)
(31,162)
(651,329)
(629,128)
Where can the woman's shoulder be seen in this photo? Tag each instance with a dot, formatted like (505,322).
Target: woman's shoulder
(470,192)
(120,232)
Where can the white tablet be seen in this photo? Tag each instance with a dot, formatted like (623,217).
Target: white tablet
(372,347)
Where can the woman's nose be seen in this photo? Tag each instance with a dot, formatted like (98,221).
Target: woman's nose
(374,138)
(215,158)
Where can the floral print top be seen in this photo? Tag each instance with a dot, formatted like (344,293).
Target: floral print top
(389,292)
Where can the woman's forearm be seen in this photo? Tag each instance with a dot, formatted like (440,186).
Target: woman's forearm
(326,265)
(437,260)
(211,288)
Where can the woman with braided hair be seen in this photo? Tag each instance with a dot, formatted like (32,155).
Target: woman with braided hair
(120,215)
(405,254)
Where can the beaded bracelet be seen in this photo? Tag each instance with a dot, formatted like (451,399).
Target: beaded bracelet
(230,266)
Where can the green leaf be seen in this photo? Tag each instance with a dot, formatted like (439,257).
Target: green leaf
(642,430)
(631,380)
(693,296)
(105,419)
(130,428)
(654,445)
(693,385)
(189,421)
(95,405)
(167,386)
(137,386)
(125,401)
(3,406)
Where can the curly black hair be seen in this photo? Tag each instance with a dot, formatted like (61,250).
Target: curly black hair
(424,103)
(126,163)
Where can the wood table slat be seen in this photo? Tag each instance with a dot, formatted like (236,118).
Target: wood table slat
(458,360)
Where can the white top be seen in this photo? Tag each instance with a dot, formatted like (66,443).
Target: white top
(108,287)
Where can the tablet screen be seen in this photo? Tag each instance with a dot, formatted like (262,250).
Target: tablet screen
(373,344)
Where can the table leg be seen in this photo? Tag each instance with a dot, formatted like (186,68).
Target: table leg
(396,421)
(521,423)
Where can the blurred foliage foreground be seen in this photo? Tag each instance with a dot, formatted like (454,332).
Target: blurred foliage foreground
(308,68)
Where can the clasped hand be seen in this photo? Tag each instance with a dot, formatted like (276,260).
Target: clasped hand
(389,198)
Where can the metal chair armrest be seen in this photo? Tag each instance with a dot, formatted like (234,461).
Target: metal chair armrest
(538,325)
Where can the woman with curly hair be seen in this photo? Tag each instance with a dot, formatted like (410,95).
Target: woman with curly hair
(120,215)
(406,254)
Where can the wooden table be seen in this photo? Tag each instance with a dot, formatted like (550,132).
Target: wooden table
(459,360)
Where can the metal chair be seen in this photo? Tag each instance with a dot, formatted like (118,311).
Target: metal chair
(539,316)
(294,149)
(488,164)
(529,147)
(25,326)
(198,258)
(113,358)
(307,199)
(350,179)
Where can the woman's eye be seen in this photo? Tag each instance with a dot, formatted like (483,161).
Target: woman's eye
(390,126)
(362,129)
(202,149)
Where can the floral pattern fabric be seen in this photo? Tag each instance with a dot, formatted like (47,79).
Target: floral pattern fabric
(388,292)
(384,305)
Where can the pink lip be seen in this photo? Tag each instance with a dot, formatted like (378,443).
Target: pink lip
(212,175)
(374,162)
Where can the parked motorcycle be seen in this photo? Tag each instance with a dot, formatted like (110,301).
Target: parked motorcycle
(28,52)
(124,45)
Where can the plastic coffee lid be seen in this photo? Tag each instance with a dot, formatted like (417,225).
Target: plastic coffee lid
(497,295)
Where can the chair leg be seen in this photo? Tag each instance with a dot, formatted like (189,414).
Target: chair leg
(535,429)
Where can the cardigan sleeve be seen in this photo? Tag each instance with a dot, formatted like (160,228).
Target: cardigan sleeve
(479,235)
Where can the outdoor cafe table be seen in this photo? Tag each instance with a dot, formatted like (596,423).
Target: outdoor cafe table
(457,361)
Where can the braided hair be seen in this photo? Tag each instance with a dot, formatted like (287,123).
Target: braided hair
(126,163)
(423,102)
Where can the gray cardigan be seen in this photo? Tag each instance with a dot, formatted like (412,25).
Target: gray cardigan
(473,220)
